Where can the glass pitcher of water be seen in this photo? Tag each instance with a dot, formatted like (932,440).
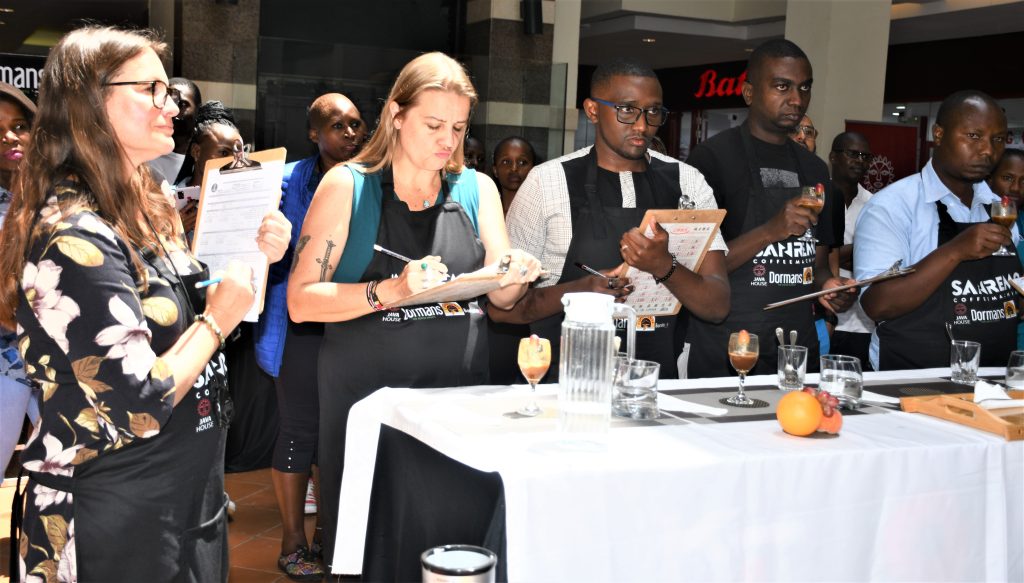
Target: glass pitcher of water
(587,360)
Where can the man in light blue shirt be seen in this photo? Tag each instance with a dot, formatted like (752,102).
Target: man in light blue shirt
(937,221)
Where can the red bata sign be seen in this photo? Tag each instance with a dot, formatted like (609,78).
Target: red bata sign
(712,86)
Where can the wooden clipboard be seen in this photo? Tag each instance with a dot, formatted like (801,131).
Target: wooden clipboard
(269,161)
(691,233)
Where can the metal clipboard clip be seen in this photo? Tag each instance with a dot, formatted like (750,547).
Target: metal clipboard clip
(241,162)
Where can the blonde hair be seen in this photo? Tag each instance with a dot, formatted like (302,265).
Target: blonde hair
(435,71)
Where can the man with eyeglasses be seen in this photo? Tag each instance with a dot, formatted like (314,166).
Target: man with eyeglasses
(806,135)
(757,173)
(939,222)
(585,208)
(849,159)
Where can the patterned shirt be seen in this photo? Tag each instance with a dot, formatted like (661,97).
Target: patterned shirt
(540,218)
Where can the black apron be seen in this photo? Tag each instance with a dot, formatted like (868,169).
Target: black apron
(780,271)
(596,233)
(155,510)
(425,346)
(976,299)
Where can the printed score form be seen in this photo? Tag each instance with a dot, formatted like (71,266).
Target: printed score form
(690,233)
(231,207)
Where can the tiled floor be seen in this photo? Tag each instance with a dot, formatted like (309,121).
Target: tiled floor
(254,535)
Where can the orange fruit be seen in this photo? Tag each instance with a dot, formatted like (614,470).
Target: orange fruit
(799,413)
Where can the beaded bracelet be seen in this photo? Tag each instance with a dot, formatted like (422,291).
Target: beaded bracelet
(371,296)
(671,270)
(212,325)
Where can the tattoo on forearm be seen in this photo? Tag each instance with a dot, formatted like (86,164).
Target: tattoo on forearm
(298,249)
(324,263)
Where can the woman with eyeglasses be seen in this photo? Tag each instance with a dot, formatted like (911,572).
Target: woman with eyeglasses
(126,466)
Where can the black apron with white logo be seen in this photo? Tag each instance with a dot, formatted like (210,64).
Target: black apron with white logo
(780,271)
(976,299)
(424,346)
(596,233)
(155,510)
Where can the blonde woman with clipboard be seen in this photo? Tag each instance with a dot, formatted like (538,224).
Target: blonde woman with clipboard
(407,191)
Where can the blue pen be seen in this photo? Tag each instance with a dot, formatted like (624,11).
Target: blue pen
(208,282)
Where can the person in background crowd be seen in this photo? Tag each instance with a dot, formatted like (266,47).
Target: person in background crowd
(849,158)
(408,192)
(126,467)
(806,135)
(289,351)
(16,113)
(214,135)
(937,221)
(514,157)
(1008,180)
(512,161)
(757,173)
(587,208)
(474,155)
(187,96)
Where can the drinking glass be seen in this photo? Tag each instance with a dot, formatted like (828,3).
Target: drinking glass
(792,367)
(812,198)
(1015,370)
(635,388)
(842,377)
(964,357)
(743,351)
(534,360)
(1004,212)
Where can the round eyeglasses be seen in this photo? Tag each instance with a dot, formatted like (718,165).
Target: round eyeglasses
(857,155)
(157,89)
(629,114)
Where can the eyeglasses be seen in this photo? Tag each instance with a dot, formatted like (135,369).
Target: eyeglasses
(807,131)
(857,155)
(158,89)
(629,114)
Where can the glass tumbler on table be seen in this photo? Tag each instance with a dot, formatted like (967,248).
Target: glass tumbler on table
(534,360)
(743,351)
(1015,370)
(843,378)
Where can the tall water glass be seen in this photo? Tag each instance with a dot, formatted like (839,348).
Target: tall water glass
(842,377)
(964,357)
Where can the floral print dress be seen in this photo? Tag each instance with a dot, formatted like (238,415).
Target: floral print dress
(90,336)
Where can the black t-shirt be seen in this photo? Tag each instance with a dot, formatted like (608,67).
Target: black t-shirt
(722,161)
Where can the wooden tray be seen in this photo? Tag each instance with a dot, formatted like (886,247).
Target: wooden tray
(960,408)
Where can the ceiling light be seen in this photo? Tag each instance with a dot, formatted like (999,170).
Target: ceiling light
(7,10)
(649,40)
(896,113)
(901,107)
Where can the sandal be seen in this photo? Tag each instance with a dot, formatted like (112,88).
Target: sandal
(301,565)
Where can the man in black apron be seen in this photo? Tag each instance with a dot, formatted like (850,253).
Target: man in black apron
(756,172)
(938,221)
(585,209)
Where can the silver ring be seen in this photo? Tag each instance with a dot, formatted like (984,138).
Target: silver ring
(523,270)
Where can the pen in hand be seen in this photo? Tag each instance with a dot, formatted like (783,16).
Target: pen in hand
(208,282)
(391,253)
(591,270)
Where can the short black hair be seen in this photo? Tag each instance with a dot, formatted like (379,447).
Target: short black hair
(529,146)
(778,48)
(952,105)
(190,84)
(208,115)
(846,137)
(1010,153)
(619,68)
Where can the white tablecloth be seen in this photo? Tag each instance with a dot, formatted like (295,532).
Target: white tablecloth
(895,497)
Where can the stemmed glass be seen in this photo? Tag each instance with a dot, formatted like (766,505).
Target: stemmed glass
(743,350)
(1004,212)
(534,360)
(812,198)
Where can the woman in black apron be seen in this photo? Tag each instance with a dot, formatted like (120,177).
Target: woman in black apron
(756,284)
(597,231)
(126,464)
(918,339)
(408,193)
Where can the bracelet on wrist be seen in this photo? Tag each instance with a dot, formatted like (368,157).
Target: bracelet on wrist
(212,325)
(671,270)
(371,296)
